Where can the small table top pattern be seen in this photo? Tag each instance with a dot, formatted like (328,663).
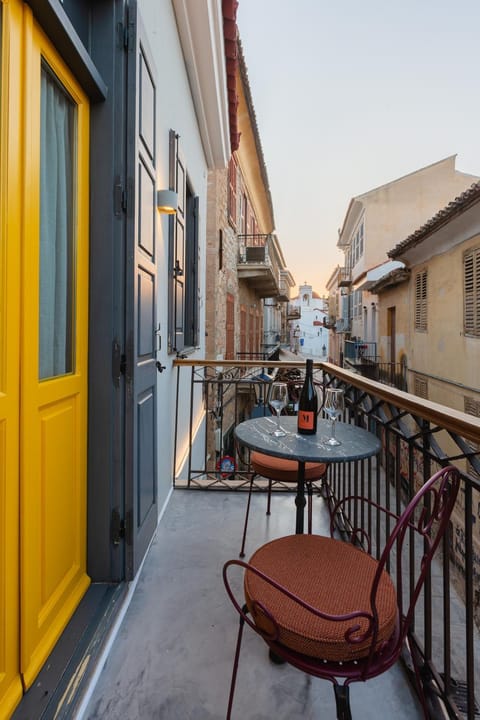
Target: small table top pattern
(356,443)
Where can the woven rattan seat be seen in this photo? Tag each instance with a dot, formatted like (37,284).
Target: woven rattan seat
(323,572)
(339,612)
(282,470)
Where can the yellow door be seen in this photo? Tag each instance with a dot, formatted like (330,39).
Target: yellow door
(43,338)
(10,224)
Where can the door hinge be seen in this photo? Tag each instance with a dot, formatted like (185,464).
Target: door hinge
(119,363)
(123,35)
(117,527)
(129,30)
(119,199)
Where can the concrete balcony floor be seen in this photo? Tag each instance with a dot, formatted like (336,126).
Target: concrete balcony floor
(173,654)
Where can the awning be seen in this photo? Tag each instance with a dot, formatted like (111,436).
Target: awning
(377,273)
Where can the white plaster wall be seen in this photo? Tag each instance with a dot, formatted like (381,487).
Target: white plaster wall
(175,110)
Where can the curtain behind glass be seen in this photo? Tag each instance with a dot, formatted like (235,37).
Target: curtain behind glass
(56,229)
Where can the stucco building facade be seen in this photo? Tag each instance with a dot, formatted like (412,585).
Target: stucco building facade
(248,283)
(373,223)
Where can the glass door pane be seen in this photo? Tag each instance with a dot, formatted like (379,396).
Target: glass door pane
(57,241)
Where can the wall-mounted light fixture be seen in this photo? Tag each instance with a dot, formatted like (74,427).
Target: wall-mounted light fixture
(167,201)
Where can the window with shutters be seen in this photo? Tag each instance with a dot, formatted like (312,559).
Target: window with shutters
(471,292)
(230,328)
(421,301)
(220,249)
(242,225)
(183,257)
(357,303)
(258,331)
(251,331)
(420,387)
(232,192)
(356,245)
(243,330)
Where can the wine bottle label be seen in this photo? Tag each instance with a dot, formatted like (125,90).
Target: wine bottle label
(306,420)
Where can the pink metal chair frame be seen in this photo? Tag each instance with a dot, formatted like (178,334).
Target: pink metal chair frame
(438,495)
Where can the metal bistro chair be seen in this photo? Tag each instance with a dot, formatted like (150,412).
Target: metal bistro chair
(331,609)
(280,470)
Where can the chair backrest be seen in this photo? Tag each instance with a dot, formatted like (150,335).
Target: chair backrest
(426,519)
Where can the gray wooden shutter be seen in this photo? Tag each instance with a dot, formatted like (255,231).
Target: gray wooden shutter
(191,296)
(176,314)
(141,300)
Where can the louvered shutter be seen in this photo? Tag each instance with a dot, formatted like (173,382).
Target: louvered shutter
(421,387)
(421,301)
(191,271)
(232,191)
(230,328)
(471,268)
(176,314)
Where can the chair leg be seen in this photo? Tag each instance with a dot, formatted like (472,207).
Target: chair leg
(309,508)
(242,549)
(235,664)
(342,700)
(269,495)
(327,495)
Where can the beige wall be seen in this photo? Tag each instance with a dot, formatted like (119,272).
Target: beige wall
(395,210)
(443,350)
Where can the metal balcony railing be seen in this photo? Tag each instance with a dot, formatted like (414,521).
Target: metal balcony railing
(362,356)
(268,351)
(253,248)
(330,322)
(360,350)
(293,312)
(418,437)
(344,277)
(256,264)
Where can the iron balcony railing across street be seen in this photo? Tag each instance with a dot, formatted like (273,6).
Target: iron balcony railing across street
(361,356)
(417,438)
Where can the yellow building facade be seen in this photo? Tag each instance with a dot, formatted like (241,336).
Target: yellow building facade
(437,325)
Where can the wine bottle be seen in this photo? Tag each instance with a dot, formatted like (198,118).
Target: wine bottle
(307,404)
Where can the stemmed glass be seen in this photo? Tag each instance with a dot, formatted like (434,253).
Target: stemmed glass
(278,399)
(333,406)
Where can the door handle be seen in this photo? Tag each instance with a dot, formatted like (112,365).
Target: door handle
(177,270)
(160,367)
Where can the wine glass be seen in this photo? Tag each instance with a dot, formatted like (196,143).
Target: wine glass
(278,399)
(333,406)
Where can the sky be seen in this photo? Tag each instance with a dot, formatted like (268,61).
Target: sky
(350,95)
